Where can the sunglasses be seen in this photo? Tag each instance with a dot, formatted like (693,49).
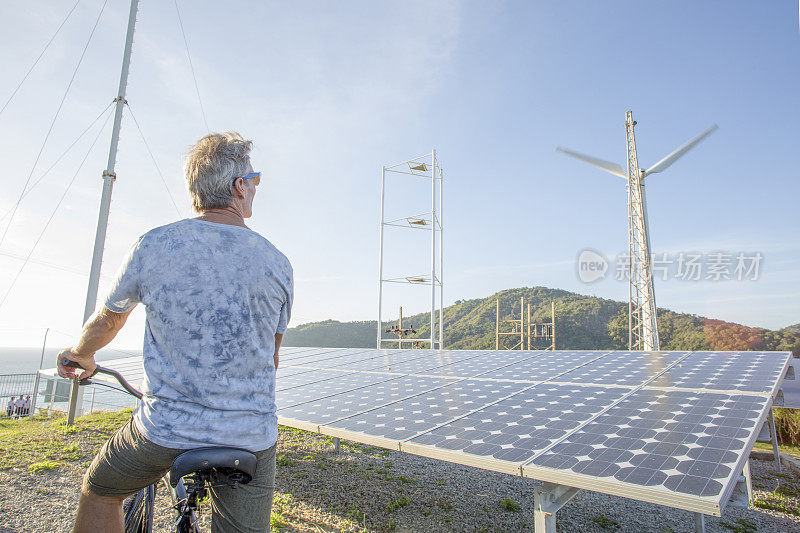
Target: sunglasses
(255,176)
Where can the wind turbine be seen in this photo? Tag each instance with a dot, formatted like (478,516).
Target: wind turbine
(642,320)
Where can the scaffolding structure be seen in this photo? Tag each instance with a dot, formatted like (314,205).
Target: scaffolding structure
(427,167)
(542,331)
(530,334)
(517,328)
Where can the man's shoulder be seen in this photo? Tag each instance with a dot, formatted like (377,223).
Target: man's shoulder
(179,226)
(168,234)
(270,251)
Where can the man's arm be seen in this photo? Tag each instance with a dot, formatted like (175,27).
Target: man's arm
(278,339)
(97,332)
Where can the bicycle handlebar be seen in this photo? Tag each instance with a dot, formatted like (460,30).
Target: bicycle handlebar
(113,373)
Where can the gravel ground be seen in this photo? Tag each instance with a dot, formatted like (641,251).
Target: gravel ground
(364,488)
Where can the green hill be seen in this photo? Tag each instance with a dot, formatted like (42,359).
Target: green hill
(582,322)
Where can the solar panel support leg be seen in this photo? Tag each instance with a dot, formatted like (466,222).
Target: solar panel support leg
(742,493)
(773,436)
(548,498)
(336,445)
(699,523)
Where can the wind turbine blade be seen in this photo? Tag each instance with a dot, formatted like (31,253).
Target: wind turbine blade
(613,168)
(674,156)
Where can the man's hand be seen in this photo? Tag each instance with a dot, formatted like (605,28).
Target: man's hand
(87,362)
(278,339)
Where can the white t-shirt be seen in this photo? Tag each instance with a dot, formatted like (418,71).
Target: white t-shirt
(215,296)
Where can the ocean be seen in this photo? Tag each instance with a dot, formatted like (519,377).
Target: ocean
(26,360)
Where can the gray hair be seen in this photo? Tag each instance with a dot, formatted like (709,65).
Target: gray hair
(211,166)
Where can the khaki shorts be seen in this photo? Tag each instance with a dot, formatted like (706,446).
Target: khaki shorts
(128,462)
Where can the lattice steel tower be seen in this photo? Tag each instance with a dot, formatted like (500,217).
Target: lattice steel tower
(642,316)
(642,319)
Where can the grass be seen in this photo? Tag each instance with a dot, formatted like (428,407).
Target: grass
(282,460)
(446,505)
(286,430)
(356,515)
(280,502)
(37,442)
(44,466)
(787,422)
(510,505)
(605,522)
(277,523)
(775,501)
(399,503)
(740,525)
(787,449)
(787,489)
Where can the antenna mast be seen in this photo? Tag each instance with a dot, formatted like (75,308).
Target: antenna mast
(108,184)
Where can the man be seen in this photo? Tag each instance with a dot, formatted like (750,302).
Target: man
(26,409)
(18,406)
(11,405)
(218,298)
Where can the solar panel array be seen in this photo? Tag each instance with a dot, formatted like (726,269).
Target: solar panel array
(672,428)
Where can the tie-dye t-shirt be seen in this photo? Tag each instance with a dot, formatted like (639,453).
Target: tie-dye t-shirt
(215,296)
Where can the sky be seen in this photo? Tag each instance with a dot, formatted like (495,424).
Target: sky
(331,92)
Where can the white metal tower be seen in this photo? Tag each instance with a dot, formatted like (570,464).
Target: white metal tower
(429,167)
(642,319)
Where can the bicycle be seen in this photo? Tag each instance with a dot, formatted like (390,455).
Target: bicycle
(202,469)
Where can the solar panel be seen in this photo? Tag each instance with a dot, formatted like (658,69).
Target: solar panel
(673,428)
(305,376)
(516,428)
(329,405)
(423,412)
(422,363)
(668,427)
(732,371)
(480,364)
(662,443)
(545,365)
(623,368)
(318,356)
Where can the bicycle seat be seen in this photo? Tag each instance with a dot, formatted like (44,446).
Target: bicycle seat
(225,460)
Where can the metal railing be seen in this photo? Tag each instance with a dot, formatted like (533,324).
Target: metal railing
(49,395)
(15,386)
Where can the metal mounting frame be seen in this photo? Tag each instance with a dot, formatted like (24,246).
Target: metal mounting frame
(427,166)
(548,498)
